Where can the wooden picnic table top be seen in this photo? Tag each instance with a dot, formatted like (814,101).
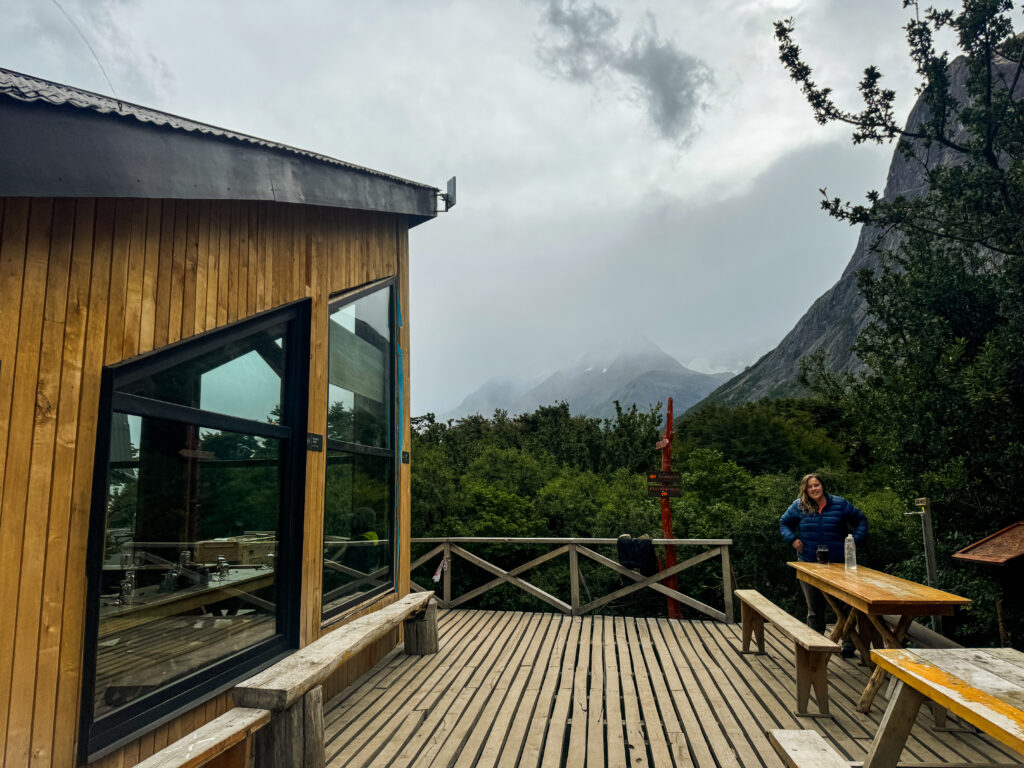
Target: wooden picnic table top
(982,686)
(875,593)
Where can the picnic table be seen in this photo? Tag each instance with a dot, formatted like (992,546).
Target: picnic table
(862,597)
(982,686)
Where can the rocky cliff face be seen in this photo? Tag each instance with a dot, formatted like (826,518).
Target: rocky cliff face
(837,317)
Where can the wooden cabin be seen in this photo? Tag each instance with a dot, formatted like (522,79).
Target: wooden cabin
(204,416)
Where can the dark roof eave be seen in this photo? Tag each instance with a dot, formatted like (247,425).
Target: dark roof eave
(50,149)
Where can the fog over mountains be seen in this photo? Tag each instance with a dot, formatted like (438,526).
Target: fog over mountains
(834,320)
(630,370)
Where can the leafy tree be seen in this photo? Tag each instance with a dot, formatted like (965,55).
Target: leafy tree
(941,406)
(766,436)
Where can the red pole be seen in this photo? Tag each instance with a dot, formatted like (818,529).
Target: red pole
(674,611)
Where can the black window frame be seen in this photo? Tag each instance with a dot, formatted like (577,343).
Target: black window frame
(131,721)
(334,303)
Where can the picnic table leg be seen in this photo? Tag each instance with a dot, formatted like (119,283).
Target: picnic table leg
(895,727)
(891,639)
(869,636)
(846,622)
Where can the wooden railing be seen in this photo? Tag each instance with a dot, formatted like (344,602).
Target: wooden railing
(452,547)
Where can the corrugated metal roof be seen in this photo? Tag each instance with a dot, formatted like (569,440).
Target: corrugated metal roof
(34,89)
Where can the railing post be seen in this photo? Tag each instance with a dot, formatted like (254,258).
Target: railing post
(574,580)
(727,584)
(447,575)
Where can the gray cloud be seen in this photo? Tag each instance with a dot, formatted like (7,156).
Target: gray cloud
(83,44)
(580,44)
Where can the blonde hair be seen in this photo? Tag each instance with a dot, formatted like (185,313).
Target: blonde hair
(807,504)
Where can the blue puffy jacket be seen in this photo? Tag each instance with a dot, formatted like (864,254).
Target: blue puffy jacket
(837,519)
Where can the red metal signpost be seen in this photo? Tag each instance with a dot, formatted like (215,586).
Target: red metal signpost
(665,444)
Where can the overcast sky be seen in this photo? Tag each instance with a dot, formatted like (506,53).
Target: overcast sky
(623,167)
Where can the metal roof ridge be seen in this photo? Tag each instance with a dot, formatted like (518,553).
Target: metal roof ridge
(29,88)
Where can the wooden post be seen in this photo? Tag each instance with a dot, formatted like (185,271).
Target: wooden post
(727,584)
(675,611)
(446,576)
(280,744)
(421,632)
(574,580)
(313,728)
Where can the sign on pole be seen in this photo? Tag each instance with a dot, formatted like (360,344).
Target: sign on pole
(664,491)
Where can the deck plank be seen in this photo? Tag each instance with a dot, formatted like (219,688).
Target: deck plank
(501,735)
(550,649)
(347,727)
(635,742)
(564,697)
(596,695)
(482,655)
(466,708)
(543,711)
(580,693)
(494,687)
(699,745)
(613,710)
(656,737)
(549,690)
(670,723)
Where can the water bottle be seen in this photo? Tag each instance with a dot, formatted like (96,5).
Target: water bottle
(851,553)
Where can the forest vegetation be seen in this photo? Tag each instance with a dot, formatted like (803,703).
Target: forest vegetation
(937,411)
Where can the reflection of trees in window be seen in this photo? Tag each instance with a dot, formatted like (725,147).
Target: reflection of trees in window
(357,524)
(200,493)
(359,489)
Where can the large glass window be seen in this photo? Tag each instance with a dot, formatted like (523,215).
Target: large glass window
(197,519)
(359,501)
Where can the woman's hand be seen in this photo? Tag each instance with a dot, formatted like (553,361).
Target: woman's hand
(798,545)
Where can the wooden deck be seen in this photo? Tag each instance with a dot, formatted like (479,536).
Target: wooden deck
(536,689)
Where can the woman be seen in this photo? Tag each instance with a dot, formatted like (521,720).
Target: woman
(818,519)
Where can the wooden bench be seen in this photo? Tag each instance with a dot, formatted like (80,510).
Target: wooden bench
(288,697)
(292,689)
(806,749)
(223,742)
(813,649)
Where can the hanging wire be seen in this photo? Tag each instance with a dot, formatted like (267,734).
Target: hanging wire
(84,40)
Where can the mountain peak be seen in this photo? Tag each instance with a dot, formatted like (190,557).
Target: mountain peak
(629,368)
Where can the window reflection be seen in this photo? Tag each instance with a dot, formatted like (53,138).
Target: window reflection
(359,371)
(359,499)
(357,515)
(242,378)
(189,553)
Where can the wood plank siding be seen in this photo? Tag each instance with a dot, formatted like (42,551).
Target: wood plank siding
(86,283)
